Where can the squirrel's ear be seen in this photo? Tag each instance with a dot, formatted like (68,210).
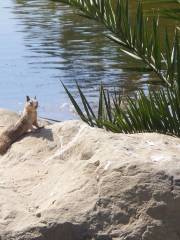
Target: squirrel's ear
(27,98)
(35,97)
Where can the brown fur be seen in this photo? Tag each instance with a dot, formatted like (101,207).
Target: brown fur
(22,126)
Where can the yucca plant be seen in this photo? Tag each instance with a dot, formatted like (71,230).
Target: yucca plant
(158,110)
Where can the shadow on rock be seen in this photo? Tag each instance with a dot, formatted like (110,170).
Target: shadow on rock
(44,133)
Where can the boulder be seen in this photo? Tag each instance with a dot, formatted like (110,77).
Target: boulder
(69,181)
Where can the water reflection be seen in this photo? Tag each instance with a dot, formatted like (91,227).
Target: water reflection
(45,43)
(72,45)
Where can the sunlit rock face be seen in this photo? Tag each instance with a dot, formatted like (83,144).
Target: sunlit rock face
(72,182)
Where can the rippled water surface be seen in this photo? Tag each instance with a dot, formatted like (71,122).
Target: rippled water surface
(43,42)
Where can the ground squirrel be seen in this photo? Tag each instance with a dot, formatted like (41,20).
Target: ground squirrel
(22,126)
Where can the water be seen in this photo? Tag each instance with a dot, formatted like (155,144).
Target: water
(43,42)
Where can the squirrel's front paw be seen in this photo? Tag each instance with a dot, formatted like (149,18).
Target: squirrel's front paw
(32,130)
(39,127)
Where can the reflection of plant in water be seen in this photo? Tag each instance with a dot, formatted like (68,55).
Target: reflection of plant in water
(59,39)
(66,46)
(172,13)
(157,111)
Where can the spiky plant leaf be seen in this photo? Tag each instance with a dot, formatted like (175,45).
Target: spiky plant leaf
(157,111)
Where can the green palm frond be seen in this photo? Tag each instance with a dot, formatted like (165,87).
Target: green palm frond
(140,40)
(157,111)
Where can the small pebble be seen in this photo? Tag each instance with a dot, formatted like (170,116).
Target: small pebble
(38,215)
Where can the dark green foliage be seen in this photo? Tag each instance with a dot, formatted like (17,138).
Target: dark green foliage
(158,110)
(140,40)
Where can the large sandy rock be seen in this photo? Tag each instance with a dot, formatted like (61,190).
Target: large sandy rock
(73,182)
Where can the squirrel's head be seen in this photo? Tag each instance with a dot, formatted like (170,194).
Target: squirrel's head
(31,104)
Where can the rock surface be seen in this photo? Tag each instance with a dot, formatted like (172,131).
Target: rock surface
(72,182)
